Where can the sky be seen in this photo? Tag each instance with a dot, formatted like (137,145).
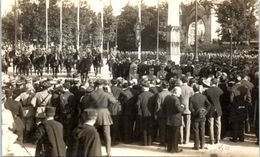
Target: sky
(6,5)
(95,4)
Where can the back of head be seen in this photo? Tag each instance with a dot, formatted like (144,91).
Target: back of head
(196,87)
(50,111)
(165,85)
(89,114)
(184,79)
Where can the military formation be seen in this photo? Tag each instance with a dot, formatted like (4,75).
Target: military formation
(147,102)
(38,60)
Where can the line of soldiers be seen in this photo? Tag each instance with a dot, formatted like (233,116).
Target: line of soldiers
(149,107)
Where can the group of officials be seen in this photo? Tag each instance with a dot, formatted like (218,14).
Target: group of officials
(67,117)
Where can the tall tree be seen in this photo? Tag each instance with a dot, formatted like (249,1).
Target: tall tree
(126,25)
(238,15)
(109,26)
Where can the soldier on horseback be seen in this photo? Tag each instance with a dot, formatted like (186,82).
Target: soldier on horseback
(97,61)
(84,66)
(54,62)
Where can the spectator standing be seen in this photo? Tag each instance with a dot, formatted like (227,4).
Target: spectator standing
(199,106)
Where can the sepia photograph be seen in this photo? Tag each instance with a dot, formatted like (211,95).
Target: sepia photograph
(130,78)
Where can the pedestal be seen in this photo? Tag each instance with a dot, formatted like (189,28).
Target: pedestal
(173,29)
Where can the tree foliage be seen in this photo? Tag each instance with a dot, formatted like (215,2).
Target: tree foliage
(238,15)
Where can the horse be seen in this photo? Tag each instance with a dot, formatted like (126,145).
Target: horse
(25,64)
(48,60)
(39,63)
(84,67)
(69,62)
(54,63)
(97,62)
(17,65)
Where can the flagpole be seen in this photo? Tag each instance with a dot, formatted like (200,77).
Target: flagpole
(60,25)
(140,29)
(15,26)
(47,6)
(78,25)
(158,22)
(102,28)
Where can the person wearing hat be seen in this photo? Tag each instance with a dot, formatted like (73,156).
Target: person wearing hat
(144,105)
(41,99)
(17,111)
(240,100)
(86,140)
(213,94)
(199,106)
(188,68)
(115,111)
(100,100)
(172,108)
(48,136)
(19,88)
(28,110)
(159,115)
(162,73)
(65,111)
(186,93)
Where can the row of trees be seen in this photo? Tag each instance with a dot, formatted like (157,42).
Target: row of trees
(240,14)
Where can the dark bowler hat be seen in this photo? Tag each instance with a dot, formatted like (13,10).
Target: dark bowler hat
(114,81)
(50,111)
(99,82)
(89,114)
(66,85)
(90,89)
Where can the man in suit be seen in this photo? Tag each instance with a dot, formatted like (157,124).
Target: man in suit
(144,105)
(199,106)
(173,110)
(49,136)
(128,101)
(213,94)
(159,115)
(86,140)
(240,99)
(100,100)
(186,93)
(17,111)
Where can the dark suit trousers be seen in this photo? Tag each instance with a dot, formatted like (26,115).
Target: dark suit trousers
(162,129)
(173,133)
(147,130)
(128,128)
(238,130)
(115,130)
(199,134)
(105,131)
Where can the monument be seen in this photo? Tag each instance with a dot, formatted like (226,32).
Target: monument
(173,28)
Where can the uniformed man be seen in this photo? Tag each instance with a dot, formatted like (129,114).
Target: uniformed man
(86,140)
(100,101)
(49,136)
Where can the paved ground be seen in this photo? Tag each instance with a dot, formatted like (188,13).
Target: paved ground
(224,149)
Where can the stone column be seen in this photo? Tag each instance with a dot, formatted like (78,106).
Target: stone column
(173,29)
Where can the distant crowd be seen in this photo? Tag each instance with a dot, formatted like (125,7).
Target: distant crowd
(146,101)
